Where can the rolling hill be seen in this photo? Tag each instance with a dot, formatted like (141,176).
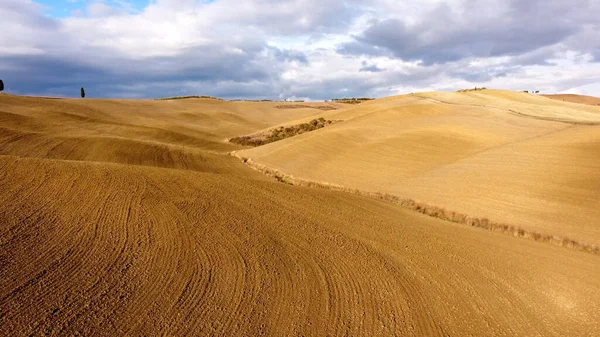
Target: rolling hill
(582,99)
(514,158)
(124,217)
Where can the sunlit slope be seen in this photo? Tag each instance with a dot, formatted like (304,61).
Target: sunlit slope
(523,104)
(169,120)
(126,217)
(494,154)
(590,100)
(111,249)
(183,134)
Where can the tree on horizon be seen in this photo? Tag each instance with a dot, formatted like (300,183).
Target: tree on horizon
(82,92)
(1,85)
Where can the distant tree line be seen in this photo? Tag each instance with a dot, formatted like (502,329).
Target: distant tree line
(352,99)
(474,89)
(183,97)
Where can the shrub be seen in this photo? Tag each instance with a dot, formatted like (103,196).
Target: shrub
(184,97)
(351,100)
(281,133)
(474,89)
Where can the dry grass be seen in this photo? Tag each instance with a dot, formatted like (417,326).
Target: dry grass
(530,160)
(581,99)
(430,210)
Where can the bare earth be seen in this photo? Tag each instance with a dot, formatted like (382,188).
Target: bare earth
(124,217)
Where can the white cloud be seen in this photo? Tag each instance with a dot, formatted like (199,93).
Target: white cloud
(281,49)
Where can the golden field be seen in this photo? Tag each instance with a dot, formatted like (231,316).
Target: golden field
(514,158)
(130,217)
(590,100)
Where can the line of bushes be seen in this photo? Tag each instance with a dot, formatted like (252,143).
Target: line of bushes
(253,100)
(474,89)
(431,210)
(184,97)
(352,100)
(281,133)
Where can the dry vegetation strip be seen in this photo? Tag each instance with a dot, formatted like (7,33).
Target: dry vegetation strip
(430,210)
(352,100)
(302,106)
(281,132)
(473,89)
(185,97)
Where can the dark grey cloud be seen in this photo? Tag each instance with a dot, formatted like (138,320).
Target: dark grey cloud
(373,68)
(59,63)
(303,17)
(360,48)
(588,40)
(479,77)
(289,55)
(206,67)
(271,49)
(446,35)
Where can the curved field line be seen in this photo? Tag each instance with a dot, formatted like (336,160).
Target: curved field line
(108,248)
(431,210)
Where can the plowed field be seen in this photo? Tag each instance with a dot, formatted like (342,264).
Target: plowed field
(130,218)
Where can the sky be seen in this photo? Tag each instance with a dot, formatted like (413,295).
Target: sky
(297,49)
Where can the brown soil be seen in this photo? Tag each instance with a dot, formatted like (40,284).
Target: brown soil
(129,218)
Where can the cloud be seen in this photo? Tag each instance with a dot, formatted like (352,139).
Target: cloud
(298,48)
(101,9)
(447,34)
(162,47)
(370,67)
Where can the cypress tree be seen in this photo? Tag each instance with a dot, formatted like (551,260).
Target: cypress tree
(1,85)
(82,93)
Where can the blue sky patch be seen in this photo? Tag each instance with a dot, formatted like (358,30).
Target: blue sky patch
(67,8)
